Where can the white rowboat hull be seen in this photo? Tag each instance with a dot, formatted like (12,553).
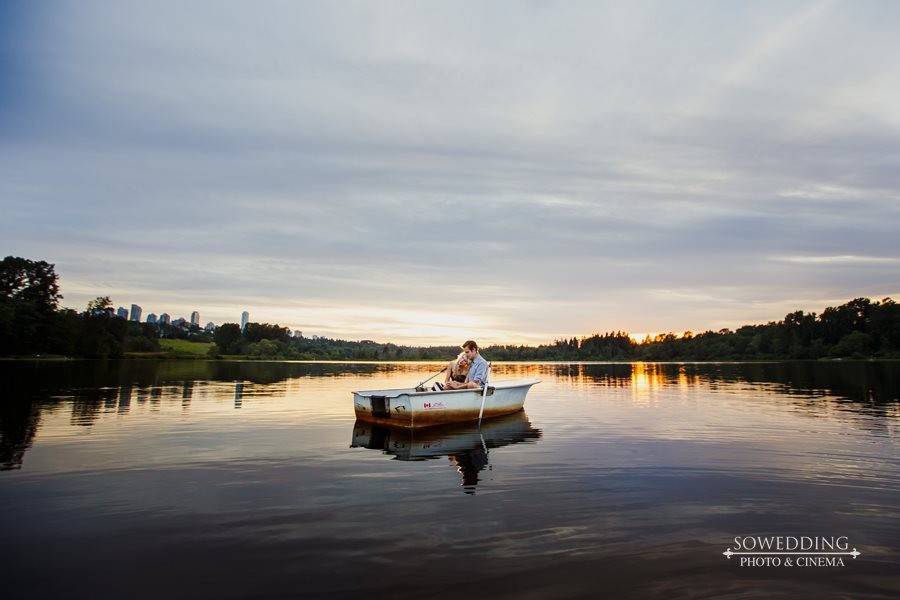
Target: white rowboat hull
(409,408)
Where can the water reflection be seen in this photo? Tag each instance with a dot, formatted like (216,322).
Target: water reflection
(238,394)
(88,389)
(625,478)
(466,445)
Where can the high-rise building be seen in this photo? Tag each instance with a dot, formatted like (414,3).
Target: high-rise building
(135,313)
(179,322)
(110,311)
(151,318)
(195,318)
(245,318)
(164,319)
(210,327)
(122,313)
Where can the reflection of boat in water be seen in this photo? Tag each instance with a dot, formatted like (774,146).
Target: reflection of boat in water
(466,445)
(408,407)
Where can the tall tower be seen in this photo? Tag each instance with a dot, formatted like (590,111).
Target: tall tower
(195,318)
(135,313)
(245,318)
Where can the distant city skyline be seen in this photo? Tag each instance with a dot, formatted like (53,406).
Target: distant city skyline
(422,173)
(164,319)
(136,310)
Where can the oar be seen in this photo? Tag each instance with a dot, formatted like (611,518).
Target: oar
(487,376)
(432,377)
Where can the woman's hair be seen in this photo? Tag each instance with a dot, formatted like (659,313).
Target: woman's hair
(461,364)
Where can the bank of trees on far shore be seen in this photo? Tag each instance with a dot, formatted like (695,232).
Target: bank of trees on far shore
(32,323)
(861,328)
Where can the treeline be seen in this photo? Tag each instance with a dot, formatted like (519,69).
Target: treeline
(860,328)
(262,340)
(32,323)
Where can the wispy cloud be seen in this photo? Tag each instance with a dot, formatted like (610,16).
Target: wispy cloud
(844,259)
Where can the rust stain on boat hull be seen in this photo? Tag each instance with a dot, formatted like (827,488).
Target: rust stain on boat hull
(433,419)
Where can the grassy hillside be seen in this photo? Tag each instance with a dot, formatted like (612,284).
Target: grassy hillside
(185,347)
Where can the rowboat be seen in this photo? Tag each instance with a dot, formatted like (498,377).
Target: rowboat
(407,407)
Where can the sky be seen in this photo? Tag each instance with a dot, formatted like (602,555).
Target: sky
(429,172)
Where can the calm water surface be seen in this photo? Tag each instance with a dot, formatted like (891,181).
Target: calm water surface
(236,479)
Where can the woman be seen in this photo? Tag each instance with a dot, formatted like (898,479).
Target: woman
(456,370)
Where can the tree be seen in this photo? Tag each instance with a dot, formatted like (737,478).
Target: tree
(29,297)
(255,332)
(100,336)
(853,345)
(29,281)
(265,349)
(98,305)
(228,338)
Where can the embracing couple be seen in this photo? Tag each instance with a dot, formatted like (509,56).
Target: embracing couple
(467,371)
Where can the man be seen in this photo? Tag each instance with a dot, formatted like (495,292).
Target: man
(478,367)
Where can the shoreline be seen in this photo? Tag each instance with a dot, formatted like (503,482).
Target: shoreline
(441,361)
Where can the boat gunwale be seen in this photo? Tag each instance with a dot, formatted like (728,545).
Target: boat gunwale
(397,392)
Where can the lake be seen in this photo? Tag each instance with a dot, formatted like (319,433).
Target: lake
(196,479)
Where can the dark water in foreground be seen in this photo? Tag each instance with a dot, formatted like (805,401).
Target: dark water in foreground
(232,480)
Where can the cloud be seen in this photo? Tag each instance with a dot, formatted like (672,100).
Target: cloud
(846,259)
(523,170)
